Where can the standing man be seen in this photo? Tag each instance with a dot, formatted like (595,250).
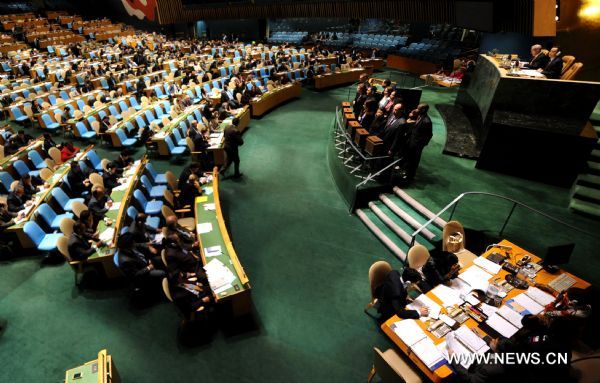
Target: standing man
(233,140)
(394,132)
(418,137)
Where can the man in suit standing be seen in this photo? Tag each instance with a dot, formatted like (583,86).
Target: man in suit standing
(394,132)
(419,136)
(233,140)
(538,58)
(554,67)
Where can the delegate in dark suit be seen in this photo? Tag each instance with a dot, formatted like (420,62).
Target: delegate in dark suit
(15,202)
(233,140)
(393,298)
(79,248)
(419,136)
(539,61)
(394,134)
(136,267)
(554,68)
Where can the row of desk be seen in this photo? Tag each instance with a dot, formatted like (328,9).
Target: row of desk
(340,78)
(273,98)
(444,372)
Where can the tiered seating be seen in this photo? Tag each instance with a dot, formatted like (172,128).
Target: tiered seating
(431,50)
(341,40)
(287,37)
(378,41)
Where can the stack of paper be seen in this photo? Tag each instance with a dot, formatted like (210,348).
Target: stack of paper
(429,354)
(409,331)
(530,306)
(476,277)
(448,296)
(541,297)
(424,301)
(219,276)
(487,265)
(470,340)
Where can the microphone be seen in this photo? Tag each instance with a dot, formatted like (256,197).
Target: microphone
(503,247)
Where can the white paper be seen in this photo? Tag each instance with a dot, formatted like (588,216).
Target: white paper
(209,206)
(457,348)
(107,234)
(470,339)
(203,228)
(213,251)
(424,301)
(448,296)
(447,320)
(529,304)
(488,310)
(501,325)
(487,265)
(540,296)
(476,277)
(511,315)
(426,351)
(470,298)
(115,206)
(409,331)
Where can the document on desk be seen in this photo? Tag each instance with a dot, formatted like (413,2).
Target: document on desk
(540,296)
(471,340)
(476,277)
(213,251)
(487,265)
(115,206)
(448,296)
(203,228)
(409,331)
(501,325)
(218,275)
(209,206)
(107,235)
(424,301)
(528,304)
(511,315)
(429,354)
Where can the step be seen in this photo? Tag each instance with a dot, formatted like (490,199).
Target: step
(595,155)
(589,180)
(400,232)
(587,194)
(593,167)
(406,217)
(585,207)
(383,234)
(418,207)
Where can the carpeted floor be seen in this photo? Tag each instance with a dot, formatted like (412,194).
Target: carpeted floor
(306,257)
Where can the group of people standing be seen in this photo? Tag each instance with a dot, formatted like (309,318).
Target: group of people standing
(405,133)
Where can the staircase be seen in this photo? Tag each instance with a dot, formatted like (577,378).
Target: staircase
(393,219)
(585,197)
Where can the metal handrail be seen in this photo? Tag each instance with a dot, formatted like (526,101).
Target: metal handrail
(516,203)
(372,176)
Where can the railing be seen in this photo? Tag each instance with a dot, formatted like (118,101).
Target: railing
(513,205)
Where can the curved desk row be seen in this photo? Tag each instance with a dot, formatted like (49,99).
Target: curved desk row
(227,277)
(340,78)
(273,98)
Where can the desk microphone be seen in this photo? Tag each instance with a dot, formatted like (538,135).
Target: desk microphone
(503,247)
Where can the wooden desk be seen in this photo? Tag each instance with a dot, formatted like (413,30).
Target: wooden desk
(105,252)
(100,370)
(238,294)
(274,98)
(165,131)
(339,78)
(444,372)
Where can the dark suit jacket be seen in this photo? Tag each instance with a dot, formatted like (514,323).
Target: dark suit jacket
(132,263)
(420,133)
(79,248)
(233,138)
(554,68)
(76,183)
(539,61)
(393,134)
(180,260)
(392,298)
(14,202)
(98,207)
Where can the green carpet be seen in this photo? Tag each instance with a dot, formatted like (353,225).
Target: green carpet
(306,257)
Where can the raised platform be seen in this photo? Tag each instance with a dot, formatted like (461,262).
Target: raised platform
(461,137)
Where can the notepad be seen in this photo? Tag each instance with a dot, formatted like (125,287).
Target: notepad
(448,296)
(501,325)
(408,331)
(487,265)
(429,354)
(424,301)
(540,296)
(529,304)
(468,338)
(511,315)
(201,199)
